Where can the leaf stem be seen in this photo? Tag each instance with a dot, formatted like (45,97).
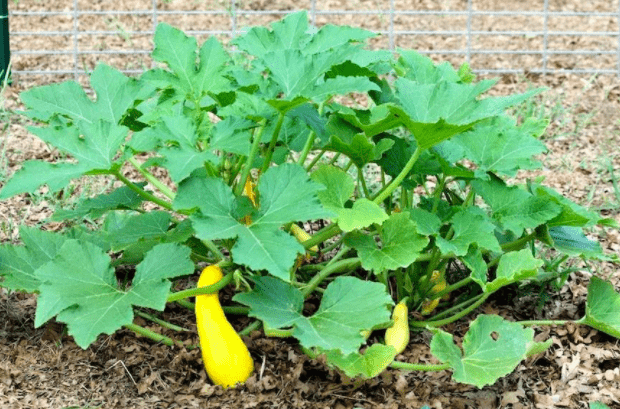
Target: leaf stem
(324,234)
(406,366)
(146,195)
(253,326)
(211,246)
(394,183)
(272,143)
(446,321)
(360,177)
(546,322)
(152,179)
(457,307)
(453,287)
(210,289)
(316,159)
(248,163)
(157,337)
(517,244)
(159,321)
(346,264)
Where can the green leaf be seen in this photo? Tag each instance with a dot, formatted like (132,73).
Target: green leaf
(427,223)
(232,135)
(371,363)
(436,112)
(471,226)
(138,227)
(514,208)
(476,264)
(572,214)
(285,195)
(598,405)
(349,305)
(421,69)
(357,146)
(19,263)
(94,145)
(34,173)
(339,188)
(80,287)
(492,348)
(602,307)
(514,266)
(115,92)
(573,241)
(400,244)
(501,146)
(121,198)
(178,51)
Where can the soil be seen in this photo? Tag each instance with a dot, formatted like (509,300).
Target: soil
(43,368)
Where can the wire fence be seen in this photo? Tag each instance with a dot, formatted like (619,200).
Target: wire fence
(69,37)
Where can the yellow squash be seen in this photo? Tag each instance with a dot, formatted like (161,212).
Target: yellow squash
(226,358)
(398,334)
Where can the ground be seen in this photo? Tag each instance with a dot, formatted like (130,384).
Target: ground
(42,368)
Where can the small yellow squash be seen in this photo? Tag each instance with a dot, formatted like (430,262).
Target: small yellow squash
(225,356)
(398,334)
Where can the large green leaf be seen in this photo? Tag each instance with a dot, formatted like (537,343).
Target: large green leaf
(115,92)
(349,305)
(19,263)
(369,364)
(121,198)
(436,112)
(80,287)
(572,214)
(339,188)
(285,195)
(34,173)
(502,147)
(514,208)
(514,266)
(470,226)
(603,307)
(492,348)
(573,241)
(178,51)
(400,244)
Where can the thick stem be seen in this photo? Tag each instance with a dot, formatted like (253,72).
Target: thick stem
(315,160)
(394,183)
(159,321)
(142,193)
(325,233)
(152,179)
(210,289)
(419,367)
(546,322)
(211,246)
(517,244)
(157,337)
(248,163)
(362,181)
(350,264)
(252,327)
(272,143)
(446,321)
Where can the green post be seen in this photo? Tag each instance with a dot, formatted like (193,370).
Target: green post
(5,51)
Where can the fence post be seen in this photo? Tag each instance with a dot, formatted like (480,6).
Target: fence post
(5,51)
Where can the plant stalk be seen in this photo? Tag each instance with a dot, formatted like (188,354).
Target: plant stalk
(210,289)
(419,367)
(152,179)
(159,321)
(146,195)
(272,143)
(248,163)
(394,183)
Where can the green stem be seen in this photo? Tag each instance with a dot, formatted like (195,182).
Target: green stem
(272,143)
(248,163)
(152,179)
(315,160)
(446,321)
(278,333)
(437,194)
(546,322)
(419,367)
(457,307)
(210,289)
(350,264)
(159,321)
(236,310)
(146,195)
(517,244)
(216,251)
(394,183)
(325,233)
(360,177)
(155,336)
(334,158)
(453,287)
(252,327)
(307,148)
(186,304)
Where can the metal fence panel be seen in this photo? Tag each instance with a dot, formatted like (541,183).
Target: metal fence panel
(68,37)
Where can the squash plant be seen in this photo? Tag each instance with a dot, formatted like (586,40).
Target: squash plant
(256,141)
